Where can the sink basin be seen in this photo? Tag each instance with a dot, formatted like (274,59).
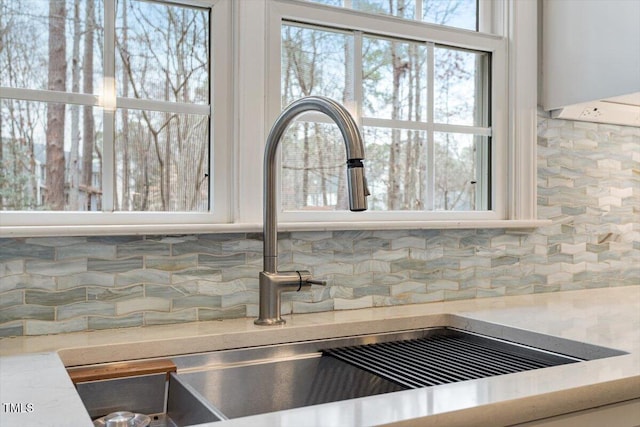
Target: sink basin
(265,379)
(162,397)
(262,386)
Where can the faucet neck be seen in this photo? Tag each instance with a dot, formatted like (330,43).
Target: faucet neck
(353,146)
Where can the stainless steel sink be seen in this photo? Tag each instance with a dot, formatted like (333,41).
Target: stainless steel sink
(235,383)
(265,379)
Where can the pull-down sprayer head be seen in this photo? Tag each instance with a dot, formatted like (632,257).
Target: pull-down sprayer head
(357,185)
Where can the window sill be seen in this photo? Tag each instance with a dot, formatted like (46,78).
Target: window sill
(180,229)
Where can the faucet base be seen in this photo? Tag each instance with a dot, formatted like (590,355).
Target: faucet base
(269,322)
(271,287)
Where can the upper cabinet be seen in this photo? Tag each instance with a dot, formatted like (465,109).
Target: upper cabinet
(591,60)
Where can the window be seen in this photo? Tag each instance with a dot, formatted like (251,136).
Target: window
(176,140)
(162,139)
(425,97)
(109,109)
(455,13)
(414,162)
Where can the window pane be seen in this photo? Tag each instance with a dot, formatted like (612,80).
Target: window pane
(52,154)
(394,79)
(329,2)
(405,171)
(313,168)
(162,161)
(456,179)
(454,13)
(315,62)
(45,168)
(163,52)
(25,33)
(400,8)
(396,168)
(459,87)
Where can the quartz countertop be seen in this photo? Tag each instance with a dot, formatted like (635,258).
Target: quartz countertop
(35,390)
(608,317)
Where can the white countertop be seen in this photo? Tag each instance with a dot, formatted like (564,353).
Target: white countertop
(608,317)
(35,390)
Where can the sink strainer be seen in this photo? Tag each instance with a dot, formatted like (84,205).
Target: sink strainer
(123,419)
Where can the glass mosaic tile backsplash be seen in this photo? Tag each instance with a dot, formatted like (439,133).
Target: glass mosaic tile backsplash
(588,185)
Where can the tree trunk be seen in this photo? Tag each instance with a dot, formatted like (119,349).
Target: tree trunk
(57,72)
(305,165)
(75,112)
(31,158)
(98,204)
(3,178)
(144,155)
(126,191)
(418,155)
(321,151)
(393,188)
(160,159)
(414,160)
(409,162)
(88,131)
(347,96)
(165,166)
(399,69)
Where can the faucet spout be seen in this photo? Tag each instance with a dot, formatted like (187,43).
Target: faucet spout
(272,282)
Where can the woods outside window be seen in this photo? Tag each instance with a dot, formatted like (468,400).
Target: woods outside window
(421,93)
(136,116)
(105,106)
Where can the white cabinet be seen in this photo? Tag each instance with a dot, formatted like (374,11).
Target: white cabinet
(591,52)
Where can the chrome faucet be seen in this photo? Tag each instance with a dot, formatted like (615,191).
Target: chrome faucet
(273,282)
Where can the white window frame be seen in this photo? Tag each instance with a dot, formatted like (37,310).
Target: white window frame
(428,34)
(513,115)
(244,109)
(109,221)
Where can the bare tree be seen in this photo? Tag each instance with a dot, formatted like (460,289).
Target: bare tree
(19,189)
(313,160)
(302,66)
(415,164)
(88,123)
(400,67)
(73,170)
(3,31)
(348,95)
(394,191)
(453,182)
(55,196)
(164,57)
(123,48)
